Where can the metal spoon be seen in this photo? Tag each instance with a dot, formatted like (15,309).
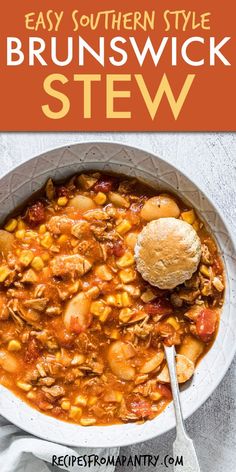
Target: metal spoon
(183,445)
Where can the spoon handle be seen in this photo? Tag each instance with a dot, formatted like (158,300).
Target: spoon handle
(183,445)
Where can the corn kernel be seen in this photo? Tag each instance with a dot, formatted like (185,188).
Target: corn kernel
(115,300)
(63,238)
(125,314)
(106,312)
(205,270)
(100,309)
(189,216)
(125,261)
(155,396)
(54,248)
(172,321)
(14,345)
(127,275)
(206,290)
(93,292)
(42,229)
(24,386)
(113,396)
(31,234)
(47,240)
(97,307)
(115,334)
(11,225)
(123,227)
(87,421)
(62,201)
(21,225)
(148,296)
(111,300)
(218,284)
(100,198)
(81,400)
(65,405)
(103,272)
(31,395)
(75,412)
(125,299)
(26,257)
(92,401)
(118,396)
(45,256)
(4,272)
(37,263)
(78,359)
(58,355)
(131,240)
(20,234)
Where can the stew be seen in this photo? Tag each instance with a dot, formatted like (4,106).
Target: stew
(81,333)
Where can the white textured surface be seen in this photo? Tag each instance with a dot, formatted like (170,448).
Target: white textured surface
(209,159)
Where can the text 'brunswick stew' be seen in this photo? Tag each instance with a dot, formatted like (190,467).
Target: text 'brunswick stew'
(81,332)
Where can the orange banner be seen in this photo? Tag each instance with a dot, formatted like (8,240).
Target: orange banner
(117,66)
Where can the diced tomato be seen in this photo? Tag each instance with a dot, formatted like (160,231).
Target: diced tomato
(35,214)
(105,184)
(140,407)
(118,248)
(164,391)
(206,324)
(62,191)
(158,307)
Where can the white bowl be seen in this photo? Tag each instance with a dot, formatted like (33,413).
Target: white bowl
(60,163)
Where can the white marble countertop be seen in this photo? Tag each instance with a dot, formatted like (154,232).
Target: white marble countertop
(210,160)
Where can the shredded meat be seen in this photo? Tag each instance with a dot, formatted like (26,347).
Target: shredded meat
(59,224)
(65,265)
(55,391)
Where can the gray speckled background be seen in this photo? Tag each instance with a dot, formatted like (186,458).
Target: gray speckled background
(210,160)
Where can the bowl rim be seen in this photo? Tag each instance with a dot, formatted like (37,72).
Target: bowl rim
(204,397)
